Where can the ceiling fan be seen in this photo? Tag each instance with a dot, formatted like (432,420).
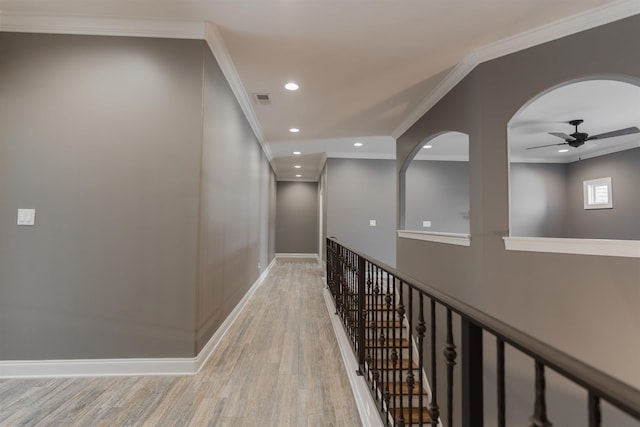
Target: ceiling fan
(576,139)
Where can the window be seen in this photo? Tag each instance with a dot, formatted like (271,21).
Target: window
(597,194)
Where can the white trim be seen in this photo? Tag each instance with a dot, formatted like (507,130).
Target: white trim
(602,247)
(128,367)
(299,255)
(564,27)
(433,236)
(219,49)
(285,179)
(179,29)
(366,406)
(582,21)
(95,367)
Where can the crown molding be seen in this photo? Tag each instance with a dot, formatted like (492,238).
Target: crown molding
(592,18)
(219,49)
(160,28)
(586,20)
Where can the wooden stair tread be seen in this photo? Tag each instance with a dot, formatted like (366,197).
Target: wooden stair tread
(386,324)
(389,343)
(379,308)
(415,415)
(382,324)
(401,388)
(387,365)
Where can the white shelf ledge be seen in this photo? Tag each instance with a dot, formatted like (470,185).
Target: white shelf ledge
(602,247)
(433,236)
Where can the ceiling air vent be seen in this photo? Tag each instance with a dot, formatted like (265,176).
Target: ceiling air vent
(262,98)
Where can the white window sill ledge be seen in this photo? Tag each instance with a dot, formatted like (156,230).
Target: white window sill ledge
(432,236)
(602,247)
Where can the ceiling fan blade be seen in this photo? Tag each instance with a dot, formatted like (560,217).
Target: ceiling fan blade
(563,136)
(619,132)
(549,145)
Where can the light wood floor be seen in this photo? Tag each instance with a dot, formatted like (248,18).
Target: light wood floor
(279,365)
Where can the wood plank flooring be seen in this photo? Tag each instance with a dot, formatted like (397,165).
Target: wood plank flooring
(279,365)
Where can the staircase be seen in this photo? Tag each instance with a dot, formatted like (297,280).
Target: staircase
(391,363)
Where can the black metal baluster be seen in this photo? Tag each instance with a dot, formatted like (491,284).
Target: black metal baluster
(400,409)
(382,339)
(386,360)
(360,299)
(434,410)
(371,328)
(410,377)
(394,358)
(539,417)
(421,329)
(450,355)
(501,387)
(374,332)
(595,415)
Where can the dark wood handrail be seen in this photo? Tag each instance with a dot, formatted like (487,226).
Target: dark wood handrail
(616,392)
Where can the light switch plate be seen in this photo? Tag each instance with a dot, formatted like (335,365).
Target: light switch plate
(26,216)
(426,224)
(372,222)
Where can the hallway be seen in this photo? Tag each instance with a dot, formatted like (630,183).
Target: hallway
(278,365)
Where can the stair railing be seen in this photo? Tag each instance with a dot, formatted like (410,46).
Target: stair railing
(384,311)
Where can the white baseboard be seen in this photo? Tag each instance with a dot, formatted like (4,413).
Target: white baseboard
(296,255)
(366,406)
(313,256)
(128,367)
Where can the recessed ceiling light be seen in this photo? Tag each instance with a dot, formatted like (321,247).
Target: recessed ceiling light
(358,144)
(297,153)
(564,150)
(291,86)
(427,146)
(298,176)
(297,166)
(294,130)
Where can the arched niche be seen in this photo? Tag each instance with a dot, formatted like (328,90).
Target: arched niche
(573,193)
(434,188)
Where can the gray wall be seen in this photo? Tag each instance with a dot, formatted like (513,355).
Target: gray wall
(547,199)
(437,191)
(357,191)
(621,222)
(297,217)
(538,199)
(565,300)
(104,137)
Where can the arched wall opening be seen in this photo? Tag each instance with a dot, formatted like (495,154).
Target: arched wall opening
(434,188)
(556,175)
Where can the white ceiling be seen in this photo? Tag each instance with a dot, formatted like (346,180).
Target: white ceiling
(364,67)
